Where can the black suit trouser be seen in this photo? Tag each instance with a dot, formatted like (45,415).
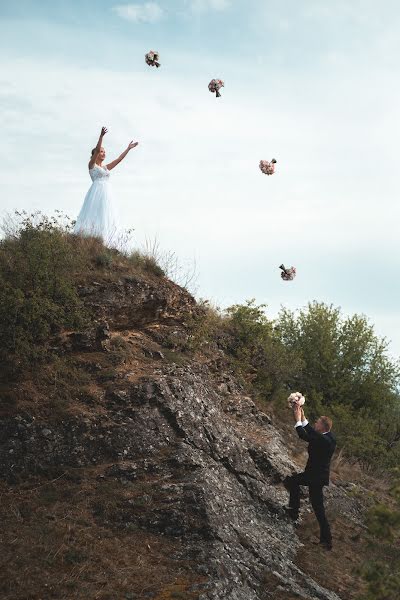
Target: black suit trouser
(316,493)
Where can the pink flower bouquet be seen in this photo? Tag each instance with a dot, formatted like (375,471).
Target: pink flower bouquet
(268,167)
(215,85)
(153,58)
(296,398)
(288,274)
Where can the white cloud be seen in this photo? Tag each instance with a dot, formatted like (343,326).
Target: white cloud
(149,12)
(205,5)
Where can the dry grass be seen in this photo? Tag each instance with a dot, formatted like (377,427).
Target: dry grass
(54,547)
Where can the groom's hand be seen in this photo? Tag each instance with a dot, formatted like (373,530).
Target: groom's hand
(297,413)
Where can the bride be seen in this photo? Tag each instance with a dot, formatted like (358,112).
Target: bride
(97,216)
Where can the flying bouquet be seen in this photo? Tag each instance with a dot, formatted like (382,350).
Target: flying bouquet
(215,85)
(153,58)
(288,274)
(267,167)
(296,398)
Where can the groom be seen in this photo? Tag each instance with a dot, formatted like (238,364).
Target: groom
(321,446)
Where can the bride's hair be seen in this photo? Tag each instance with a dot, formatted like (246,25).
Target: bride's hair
(93,151)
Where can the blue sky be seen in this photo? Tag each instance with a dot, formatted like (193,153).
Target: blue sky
(313,83)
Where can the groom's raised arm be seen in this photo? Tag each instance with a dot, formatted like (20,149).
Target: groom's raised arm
(304,429)
(301,422)
(300,425)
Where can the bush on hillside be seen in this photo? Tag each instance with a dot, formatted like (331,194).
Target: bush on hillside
(258,353)
(37,292)
(146,263)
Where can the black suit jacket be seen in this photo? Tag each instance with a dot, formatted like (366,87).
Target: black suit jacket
(321,447)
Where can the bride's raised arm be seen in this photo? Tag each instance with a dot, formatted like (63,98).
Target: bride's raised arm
(115,162)
(96,150)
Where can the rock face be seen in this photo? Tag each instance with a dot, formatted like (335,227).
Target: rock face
(208,464)
(136,302)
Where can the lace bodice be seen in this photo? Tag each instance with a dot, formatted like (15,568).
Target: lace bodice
(99,173)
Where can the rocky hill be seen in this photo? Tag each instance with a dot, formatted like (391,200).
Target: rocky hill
(134,468)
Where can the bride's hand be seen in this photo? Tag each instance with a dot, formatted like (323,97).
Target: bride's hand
(103,131)
(132,144)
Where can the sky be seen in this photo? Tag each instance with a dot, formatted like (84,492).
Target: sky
(314,84)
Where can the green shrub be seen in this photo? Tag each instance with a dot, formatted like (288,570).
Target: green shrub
(145,263)
(207,328)
(258,353)
(38,296)
(103,260)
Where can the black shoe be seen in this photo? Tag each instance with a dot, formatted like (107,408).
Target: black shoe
(292,513)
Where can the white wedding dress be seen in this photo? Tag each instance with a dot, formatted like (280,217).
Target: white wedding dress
(97,216)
